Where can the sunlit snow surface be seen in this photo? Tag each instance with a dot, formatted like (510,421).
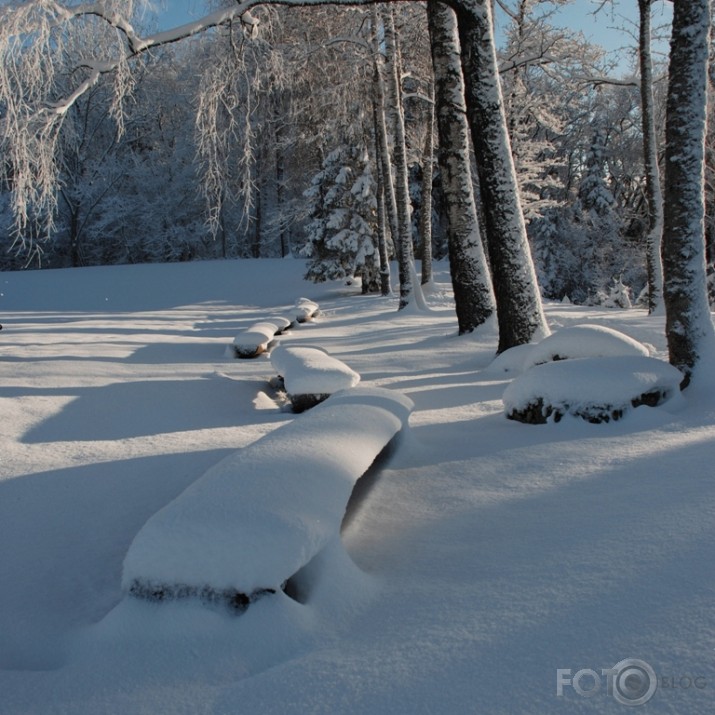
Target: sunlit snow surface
(486,555)
(311,370)
(260,515)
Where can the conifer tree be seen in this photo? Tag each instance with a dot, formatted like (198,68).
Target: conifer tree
(341,236)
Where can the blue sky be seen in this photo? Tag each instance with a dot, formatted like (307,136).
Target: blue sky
(603,28)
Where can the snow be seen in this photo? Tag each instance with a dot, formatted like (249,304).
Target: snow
(579,341)
(257,337)
(258,516)
(578,385)
(310,370)
(305,309)
(480,557)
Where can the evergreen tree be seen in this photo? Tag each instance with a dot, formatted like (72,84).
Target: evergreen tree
(341,235)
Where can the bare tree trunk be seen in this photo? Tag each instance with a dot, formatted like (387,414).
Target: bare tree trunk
(474,300)
(381,141)
(75,235)
(409,291)
(385,286)
(426,206)
(519,310)
(222,230)
(688,324)
(654,194)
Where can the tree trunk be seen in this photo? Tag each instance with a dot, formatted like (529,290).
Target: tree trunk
(520,314)
(257,223)
(75,234)
(426,206)
(474,300)
(688,323)
(654,195)
(409,291)
(381,141)
(385,286)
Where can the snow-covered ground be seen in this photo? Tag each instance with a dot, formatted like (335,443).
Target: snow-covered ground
(495,567)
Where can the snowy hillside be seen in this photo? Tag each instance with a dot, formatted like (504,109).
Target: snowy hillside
(494,567)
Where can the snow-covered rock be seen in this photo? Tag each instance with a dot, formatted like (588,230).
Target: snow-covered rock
(596,389)
(311,371)
(257,517)
(510,361)
(305,310)
(582,341)
(255,340)
(577,341)
(282,323)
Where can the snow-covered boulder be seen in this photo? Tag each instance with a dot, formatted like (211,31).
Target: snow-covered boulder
(257,517)
(582,341)
(310,374)
(510,361)
(281,323)
(306,310)
(257,339)
(596,389)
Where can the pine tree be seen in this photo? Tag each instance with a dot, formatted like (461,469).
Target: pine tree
(341,236)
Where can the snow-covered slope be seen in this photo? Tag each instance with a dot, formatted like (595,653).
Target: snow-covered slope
(487,561)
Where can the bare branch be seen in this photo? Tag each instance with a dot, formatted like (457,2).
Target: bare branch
(507,9)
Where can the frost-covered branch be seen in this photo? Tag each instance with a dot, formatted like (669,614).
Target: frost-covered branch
(51,54)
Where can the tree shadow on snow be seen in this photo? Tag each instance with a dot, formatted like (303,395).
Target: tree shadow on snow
(64,535)
(134,409)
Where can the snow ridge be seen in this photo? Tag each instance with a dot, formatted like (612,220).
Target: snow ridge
(257,517)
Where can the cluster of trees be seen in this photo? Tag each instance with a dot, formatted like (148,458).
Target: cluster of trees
(273,108)
(351,133)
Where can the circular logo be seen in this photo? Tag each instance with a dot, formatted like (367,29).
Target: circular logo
(634,682)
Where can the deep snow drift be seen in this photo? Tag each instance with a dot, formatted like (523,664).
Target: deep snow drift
(494,567)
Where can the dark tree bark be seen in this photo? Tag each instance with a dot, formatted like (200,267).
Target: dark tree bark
(426,205)
(654,194)
(473,296)
(689,327)
(519,310)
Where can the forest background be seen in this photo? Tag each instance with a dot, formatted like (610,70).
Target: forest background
(301,92)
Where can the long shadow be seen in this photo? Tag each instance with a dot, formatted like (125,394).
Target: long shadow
(148,407)
(64,534)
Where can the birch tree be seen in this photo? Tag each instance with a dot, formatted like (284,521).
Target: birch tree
(382,149)
(34,34)
(536,61)
(426,198)
(689,327)
(473,295)
(654,194)
(410,289)
(519,311)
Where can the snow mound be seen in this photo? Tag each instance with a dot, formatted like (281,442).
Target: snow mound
(255,340)
(305,310)
(511,360)
(311,371)
(583,341)
(257,517)
(596,389)
(282,323)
